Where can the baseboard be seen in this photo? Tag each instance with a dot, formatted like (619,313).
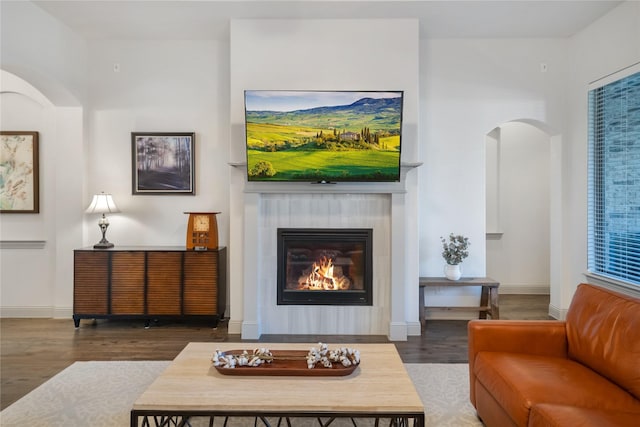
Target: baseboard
(398,331)
(557,312)
(414,329)
(26,312)
(62,313)
(37,312)
(234,327)
(524,290)
(250,330)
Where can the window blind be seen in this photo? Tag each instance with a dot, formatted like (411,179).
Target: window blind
(614,179)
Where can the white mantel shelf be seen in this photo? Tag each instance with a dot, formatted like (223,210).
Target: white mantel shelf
(332,188)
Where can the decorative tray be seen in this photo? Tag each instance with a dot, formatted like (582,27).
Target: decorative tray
(286,363)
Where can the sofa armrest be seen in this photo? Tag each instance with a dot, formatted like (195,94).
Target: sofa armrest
(538,337)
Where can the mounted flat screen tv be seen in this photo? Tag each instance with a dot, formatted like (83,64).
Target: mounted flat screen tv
(323,136)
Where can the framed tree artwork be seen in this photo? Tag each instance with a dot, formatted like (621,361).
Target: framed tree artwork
(163,163)
(19,172)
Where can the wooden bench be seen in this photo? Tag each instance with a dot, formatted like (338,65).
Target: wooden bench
(488,297)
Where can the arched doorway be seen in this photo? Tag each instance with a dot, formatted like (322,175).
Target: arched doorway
(523,210)
(50,236)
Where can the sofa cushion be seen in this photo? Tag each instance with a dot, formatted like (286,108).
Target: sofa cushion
(603,333)
(519,381)
(549,415)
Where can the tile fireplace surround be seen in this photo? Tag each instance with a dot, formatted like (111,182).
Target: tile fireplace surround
(390,209)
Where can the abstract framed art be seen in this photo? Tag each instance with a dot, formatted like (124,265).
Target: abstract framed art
(19,172)
(163,163)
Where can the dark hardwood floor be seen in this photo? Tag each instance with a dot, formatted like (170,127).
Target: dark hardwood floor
(34,350)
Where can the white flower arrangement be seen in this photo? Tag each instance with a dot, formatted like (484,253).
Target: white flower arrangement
(454,250)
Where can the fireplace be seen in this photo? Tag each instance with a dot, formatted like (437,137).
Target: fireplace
(325,266)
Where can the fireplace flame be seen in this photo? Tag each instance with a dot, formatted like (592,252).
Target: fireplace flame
(324,276)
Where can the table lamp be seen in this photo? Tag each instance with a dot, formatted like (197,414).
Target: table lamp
(102,203)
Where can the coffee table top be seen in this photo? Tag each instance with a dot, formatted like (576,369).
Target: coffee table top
(380,384)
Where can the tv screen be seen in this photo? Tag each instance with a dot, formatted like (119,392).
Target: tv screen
(323,136)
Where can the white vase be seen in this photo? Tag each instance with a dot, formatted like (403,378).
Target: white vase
(453,272)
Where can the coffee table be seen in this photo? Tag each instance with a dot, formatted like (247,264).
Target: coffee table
(191,386)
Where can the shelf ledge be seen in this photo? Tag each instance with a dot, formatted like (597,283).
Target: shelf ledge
(22,244)
(333,188)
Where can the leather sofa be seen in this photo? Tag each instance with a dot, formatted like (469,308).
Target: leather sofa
(584,371)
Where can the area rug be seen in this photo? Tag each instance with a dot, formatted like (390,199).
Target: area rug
(101,394)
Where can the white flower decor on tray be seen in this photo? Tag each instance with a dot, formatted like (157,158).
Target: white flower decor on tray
(344,355)
(262,361)
(230,360)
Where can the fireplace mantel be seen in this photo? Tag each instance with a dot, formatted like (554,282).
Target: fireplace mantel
(390,209)
(331,188)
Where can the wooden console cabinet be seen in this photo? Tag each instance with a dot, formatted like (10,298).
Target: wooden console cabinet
(149,283)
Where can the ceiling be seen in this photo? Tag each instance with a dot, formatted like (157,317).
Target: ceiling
(209,19)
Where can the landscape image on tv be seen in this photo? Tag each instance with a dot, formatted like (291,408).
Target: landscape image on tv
(323,136)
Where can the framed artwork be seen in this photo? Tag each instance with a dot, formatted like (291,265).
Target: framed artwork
(163,163)
(19,179)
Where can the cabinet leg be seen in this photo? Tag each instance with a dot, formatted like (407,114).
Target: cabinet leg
(76,322)
(147,322)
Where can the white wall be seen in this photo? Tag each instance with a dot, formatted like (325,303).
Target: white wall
(606,46)
(179,86)
(519,256)
(44,52)
(330,55)
(466,89)
(44,92)
(35,262)
(23,108)
(160,87)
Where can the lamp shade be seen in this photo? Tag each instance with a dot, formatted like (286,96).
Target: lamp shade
(102,203)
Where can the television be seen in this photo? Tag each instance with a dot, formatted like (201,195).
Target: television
(323,136)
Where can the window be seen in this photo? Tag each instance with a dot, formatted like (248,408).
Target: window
(614,177)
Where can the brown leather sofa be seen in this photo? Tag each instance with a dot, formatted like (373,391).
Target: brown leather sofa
(581,372)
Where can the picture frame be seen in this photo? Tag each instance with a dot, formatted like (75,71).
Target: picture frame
(19,172)
(163,163)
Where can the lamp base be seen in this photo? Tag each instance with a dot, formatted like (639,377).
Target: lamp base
(103,245)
